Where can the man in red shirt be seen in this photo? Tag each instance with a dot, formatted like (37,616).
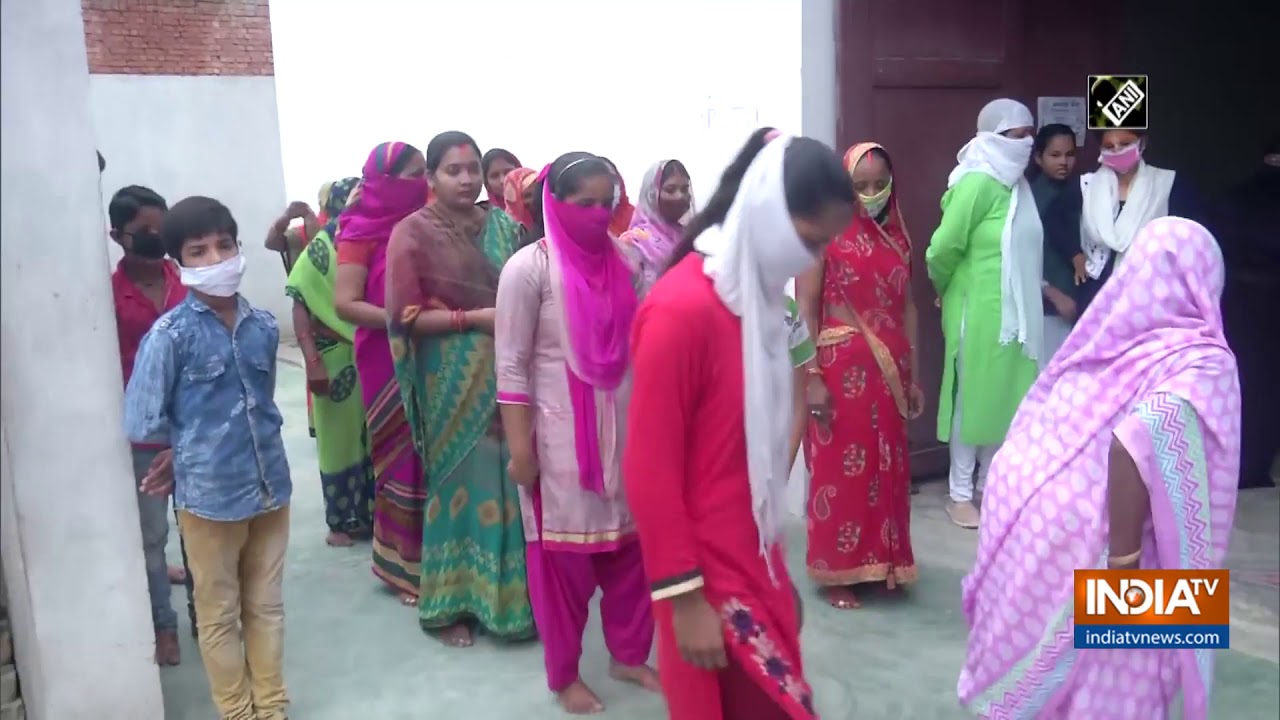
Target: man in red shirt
(145,286)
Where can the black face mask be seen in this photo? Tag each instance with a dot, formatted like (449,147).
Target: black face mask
(146,244)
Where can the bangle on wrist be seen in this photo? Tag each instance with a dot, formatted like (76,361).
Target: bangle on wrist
(1124,559)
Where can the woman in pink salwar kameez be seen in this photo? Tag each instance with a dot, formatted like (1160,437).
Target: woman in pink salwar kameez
(1124,454)
(563,317)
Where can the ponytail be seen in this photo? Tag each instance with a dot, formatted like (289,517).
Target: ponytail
(717,208)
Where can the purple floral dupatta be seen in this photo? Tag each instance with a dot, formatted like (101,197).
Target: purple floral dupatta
(649,242)
(1149,365)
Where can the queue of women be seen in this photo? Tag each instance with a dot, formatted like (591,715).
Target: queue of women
(513,398)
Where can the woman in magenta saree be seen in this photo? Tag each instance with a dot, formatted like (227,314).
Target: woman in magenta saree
(1124,454)
(393,186)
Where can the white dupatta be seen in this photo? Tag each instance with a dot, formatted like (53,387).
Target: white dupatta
(750,257)
(1103,230)
(1022,239)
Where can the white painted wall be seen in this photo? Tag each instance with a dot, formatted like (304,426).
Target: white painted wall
(819,109)
(214,136)
(818,115)
(636,80)
(71,548)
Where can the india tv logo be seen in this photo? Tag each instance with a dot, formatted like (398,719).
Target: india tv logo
(1117,102)
(1187,609)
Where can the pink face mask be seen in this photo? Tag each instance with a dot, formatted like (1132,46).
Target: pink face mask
(587,226)
(1122,160)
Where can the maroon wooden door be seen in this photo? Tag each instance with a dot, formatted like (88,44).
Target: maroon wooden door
(913,75)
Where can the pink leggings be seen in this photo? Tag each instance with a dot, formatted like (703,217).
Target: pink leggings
(561,585)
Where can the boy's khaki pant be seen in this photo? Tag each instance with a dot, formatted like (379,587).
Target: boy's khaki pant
(238,569)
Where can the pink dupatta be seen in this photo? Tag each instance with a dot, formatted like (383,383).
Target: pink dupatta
(1148,351)
(592,284)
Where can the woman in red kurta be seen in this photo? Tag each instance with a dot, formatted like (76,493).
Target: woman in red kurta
(706,457)
(857,302)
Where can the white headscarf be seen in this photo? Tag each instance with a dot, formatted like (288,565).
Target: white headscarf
(750,258)
(1103,230)
(1022,240)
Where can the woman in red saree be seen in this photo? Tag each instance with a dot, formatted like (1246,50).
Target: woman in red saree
(706,461)
(857,303)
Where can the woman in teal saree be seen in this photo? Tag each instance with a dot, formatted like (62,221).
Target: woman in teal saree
(443,264)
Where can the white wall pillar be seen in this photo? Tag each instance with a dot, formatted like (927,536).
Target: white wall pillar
(72,551)
(818,115)
(818,106)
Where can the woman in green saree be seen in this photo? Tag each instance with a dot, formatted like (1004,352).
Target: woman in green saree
(442,279)
(335,403)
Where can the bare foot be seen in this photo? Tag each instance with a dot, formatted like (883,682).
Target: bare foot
(642,675)
(408,599)
(177,575)
(167,650)
(842,598)
(458,636)
(577,699)
(338,539)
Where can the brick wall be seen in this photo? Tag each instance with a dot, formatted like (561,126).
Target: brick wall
(178,37)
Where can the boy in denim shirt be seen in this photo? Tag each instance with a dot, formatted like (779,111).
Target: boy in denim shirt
(204,383)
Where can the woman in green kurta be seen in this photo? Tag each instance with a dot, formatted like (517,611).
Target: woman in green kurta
(985,260)
(442,279)
(336,405)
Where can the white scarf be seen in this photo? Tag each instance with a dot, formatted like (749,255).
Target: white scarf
(1021,240)
(1102,231)
(750,258)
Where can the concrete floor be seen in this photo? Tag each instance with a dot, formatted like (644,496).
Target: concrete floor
(354,652)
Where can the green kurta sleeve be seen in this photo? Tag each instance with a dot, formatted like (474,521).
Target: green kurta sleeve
(963,207)
(798,340)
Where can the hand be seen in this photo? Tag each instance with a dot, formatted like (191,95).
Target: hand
(317,377)
(937,302)
(481,319)
(1065,306)
(1077,263)
(159,477)
(915,402)
(523,469)
(298,210)
(817,399)
(698,630)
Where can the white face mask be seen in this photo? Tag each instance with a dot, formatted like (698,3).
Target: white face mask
(221,280)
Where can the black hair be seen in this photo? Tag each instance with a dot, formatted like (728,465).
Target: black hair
(1140,134)
(102,162)
(128,201)
(812,177)
(443,143)
(567,174)
(494,155)
(195,217)
(669,170)
(1048,133)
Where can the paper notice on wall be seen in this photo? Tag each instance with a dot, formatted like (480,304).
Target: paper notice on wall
(1069,111)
